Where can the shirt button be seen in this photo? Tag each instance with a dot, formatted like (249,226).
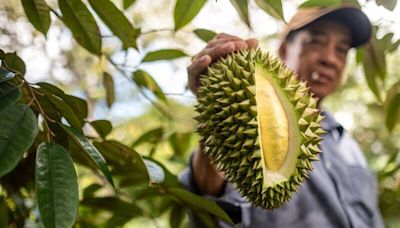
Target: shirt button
(328,165)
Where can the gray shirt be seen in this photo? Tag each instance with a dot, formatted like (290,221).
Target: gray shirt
(341,191)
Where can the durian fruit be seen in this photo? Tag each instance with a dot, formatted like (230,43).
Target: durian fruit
(259,124)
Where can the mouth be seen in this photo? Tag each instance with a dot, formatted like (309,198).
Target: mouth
(321,78)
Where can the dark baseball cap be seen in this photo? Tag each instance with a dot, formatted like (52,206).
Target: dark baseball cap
(352,17)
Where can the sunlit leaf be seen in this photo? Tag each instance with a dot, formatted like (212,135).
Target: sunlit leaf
(128,3)
(170,180)
(116,21)
(144,80)
(392,106)
(272,7)
(185,11)
(204,34)
(56,186)
(90,150)
(199,203)
(166,54)
(242,8)
(82,24)
(156,172)
(388,4)
(5,75)
(9,94)
(102,127)
(38,14)
(108,84)
(14,63)
(18,129)
(321,3)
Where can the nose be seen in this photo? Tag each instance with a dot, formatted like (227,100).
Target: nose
(329,56)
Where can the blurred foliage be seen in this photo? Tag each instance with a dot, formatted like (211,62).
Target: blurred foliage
(123,172)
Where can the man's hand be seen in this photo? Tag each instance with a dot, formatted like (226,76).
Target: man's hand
(208,178)
(220,46)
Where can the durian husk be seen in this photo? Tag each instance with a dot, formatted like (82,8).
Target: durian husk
(229,125)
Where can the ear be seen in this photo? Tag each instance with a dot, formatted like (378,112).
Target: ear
(282,51)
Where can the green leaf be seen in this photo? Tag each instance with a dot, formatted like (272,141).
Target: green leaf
(156,172)
(116,21)
(242,8)
(78,18)
(4,210)
(374,63)
(199,203)
(388,4)
(180,142)
(14,62)
(129,157)
(38,14)
(392,106)
(108,84)
(78,105)
(114,205)
(5,75)
(152,136)
(144,80)
(18,129)
(185,11)
(9,94)
(90,190)
(2,55)
(204,34)
(90,150)
(102,127)
(66,112)
(56,186)
(320,3)
(177,215)
(271,7)
(128,3)
(165,54)
(170,180)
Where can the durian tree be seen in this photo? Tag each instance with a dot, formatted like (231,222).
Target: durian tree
(50,143)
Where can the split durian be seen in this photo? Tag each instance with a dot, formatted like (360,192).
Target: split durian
(259,124)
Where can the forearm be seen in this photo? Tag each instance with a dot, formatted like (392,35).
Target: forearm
(208,178)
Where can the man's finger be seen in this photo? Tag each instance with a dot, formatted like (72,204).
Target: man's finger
(215,42)
(225,49)
(252,43)
(195,69)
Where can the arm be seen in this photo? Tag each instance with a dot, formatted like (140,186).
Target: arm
(208,178)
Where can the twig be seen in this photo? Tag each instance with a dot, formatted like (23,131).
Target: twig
(124,73)
(55,13)
(41,111)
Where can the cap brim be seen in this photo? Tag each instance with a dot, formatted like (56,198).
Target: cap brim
(357,22)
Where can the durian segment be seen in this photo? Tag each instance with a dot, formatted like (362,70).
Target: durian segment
(228,123)
(272,120)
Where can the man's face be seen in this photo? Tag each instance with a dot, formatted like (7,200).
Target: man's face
(318,54)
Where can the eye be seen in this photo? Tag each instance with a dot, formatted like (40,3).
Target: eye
(316,41)
(342,50)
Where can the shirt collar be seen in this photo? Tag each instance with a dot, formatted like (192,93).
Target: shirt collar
(329,124)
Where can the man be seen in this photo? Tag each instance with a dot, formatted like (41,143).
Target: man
(341,191)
